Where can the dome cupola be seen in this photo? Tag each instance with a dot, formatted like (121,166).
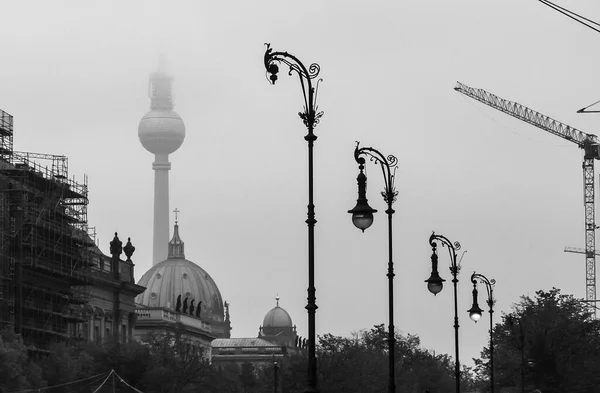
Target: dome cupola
(277,318)
(277,327)
(177,276)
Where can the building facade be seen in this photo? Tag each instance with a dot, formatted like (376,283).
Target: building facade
(277,340)
(110,312)
(54,282)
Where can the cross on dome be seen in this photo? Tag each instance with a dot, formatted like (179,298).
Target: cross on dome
(176,211)
(277,299)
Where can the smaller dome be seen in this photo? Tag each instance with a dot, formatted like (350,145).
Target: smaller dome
(161,131)
(277,318)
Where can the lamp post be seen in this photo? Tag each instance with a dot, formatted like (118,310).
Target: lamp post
(435,285)
(275,377)
(362,218)
(310,118)
(475,314)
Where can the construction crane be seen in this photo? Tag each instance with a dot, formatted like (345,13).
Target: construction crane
(587,142)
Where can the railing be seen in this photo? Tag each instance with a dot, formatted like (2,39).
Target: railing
(161,314)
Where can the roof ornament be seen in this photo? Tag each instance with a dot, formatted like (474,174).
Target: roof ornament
(116,247)
(176,245)
(277,299)
(129,249)
(176,211)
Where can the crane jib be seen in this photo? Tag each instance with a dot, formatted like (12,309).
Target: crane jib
(531,116)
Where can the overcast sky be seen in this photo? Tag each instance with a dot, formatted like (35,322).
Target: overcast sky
(75,74)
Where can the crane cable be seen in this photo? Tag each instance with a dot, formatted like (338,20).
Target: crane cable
(578,18)
(572,15)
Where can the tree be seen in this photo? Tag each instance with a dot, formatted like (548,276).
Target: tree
(177,365)
(360,364)
(248,377)
(17,371)
(552,339)
(65,364)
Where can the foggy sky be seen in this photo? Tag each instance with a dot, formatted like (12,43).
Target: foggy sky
(75,78)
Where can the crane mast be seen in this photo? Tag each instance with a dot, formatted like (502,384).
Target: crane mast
(587,142)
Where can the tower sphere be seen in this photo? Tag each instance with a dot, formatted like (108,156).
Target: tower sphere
(161,131)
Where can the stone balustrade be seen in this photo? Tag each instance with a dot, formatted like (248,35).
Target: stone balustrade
(162,314)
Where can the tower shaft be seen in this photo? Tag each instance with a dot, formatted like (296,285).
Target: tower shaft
(161,166)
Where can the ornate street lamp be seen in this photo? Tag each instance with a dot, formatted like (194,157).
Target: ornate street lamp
(310,117)
(435,286)
(362,218)
(475,314)
(275,377)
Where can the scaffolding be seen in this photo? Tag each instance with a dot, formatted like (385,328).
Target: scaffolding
(44,244)
(6,134)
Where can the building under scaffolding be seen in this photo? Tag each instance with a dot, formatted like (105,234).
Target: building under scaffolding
(48,261)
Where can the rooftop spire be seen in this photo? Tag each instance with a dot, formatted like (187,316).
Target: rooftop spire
(176,249)
(160,87)
(277,299)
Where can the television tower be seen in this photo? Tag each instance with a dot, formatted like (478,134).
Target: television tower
(161,132)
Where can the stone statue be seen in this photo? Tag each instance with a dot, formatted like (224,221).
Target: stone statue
(199,309)
(192,307)
(185,305)
(178,304)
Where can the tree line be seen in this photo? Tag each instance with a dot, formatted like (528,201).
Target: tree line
(164,364)
(549,342)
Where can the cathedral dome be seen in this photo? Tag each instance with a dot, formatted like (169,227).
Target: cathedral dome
(161,131)
(176,276)
(277,318)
